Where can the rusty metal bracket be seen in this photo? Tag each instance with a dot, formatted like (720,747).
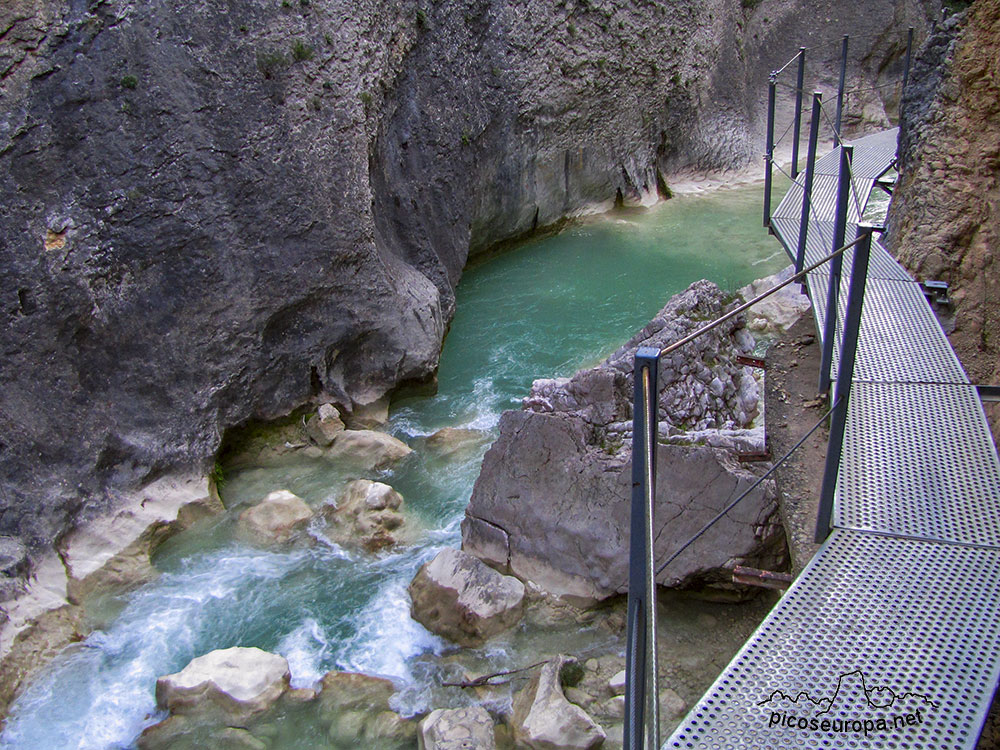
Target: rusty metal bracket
(767,579)
(742,359)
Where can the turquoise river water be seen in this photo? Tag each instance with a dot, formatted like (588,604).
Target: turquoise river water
(545,308)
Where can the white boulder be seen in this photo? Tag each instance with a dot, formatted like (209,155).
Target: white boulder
(459,597)
(543,719)
(240,681)
(276,518)
(458,729)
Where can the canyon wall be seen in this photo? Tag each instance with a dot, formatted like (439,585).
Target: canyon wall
(217,212)
(945,214)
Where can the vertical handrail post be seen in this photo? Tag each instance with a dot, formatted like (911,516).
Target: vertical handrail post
(836,265)
(797,128)
(906,63)
(807,185)
(845,378)
(641,694)
(840,92)
(769,148)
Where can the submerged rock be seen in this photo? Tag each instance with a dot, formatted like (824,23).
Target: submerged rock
(543,719)
(238,681)
(452,441)
(459,597)
(356,708)
(551,504)
(458,729)
(275,519)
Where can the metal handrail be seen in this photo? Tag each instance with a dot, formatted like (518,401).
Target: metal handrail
(641,729)
(747,305)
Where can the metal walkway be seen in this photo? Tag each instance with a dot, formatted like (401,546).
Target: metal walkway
(890,637)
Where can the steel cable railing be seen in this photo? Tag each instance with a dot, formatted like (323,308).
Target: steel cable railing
(760,480)
(799,90)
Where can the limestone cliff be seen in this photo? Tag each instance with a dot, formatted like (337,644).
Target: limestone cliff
(216,212)
(945,214)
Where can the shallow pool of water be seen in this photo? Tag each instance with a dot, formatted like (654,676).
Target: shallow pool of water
(546,308)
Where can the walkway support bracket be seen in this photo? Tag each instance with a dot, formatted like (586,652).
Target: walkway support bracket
(845,378)
(642,720)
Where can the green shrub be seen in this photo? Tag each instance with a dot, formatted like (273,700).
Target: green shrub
(270,62)
(301,51)
(129,81)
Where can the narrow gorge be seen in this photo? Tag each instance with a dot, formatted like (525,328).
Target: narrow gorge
(233,235)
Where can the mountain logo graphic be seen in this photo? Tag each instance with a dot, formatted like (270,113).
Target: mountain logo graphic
(853,707)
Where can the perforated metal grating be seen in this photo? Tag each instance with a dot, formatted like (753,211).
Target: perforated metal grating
(918,618)
(919,461)
(873,155)
(823,200)
(819,244)
(906,630)
(900,340)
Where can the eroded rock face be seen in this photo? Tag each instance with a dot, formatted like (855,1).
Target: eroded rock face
(237,681)
(459,597)
(551,504)
(275,519)
(458,729)
(543,719)
(944,220)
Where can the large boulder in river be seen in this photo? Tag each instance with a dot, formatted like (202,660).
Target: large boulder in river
(366,514)
(238,681)
(458,729)
(543,719)
(551,504)
(459,597)
(368,449)
(776,313)
(276,518)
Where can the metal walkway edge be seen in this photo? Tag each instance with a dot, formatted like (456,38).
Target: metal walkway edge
(890,637)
